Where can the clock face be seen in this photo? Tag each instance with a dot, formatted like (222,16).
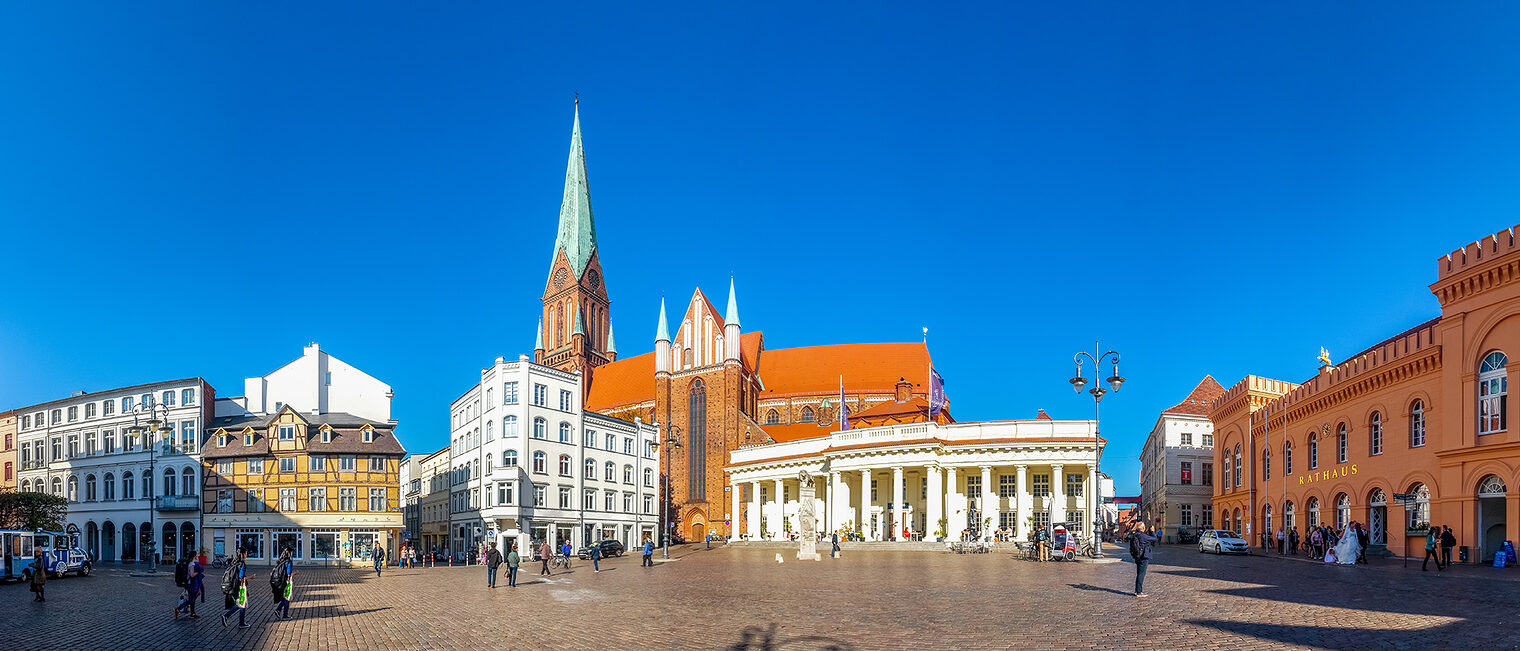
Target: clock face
(560,277)
(593,279)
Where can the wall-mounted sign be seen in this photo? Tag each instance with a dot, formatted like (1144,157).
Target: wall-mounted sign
(1332,473)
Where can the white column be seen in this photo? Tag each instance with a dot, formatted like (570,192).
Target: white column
(985,500)
(1025,506)
(733,515)
(842,484)
(755,506)
(955,504)
(936,504)
(897,502)
(865,505)
(994,501)
(778,520)
(1094,501)
(1058,489)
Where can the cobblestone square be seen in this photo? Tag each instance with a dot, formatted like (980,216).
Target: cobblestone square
(730,598)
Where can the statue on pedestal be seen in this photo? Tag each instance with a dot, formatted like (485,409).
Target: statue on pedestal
(807,519)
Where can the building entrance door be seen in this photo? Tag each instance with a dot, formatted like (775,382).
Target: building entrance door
(698,532)
(1491,520)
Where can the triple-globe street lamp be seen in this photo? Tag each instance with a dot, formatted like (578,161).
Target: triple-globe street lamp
(146,423)
(672,443)
(1097,392)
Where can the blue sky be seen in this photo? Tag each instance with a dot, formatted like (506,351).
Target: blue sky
(201,189)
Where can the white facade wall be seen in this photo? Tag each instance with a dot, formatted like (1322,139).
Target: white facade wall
(1177,439)
(317,382)
(69,456)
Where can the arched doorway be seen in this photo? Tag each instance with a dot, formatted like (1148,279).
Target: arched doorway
(187,540)
(145,540)
(1377,518)
(92,539)
(170,544)
(128,542)
(107,542)
(698,532)
(1491,520)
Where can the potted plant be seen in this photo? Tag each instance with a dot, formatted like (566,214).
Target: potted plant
(944,526)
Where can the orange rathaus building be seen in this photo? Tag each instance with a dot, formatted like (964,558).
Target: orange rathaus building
(718,386)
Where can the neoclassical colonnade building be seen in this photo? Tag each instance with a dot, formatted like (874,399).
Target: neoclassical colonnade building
(922,481)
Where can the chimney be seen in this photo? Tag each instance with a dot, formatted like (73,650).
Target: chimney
(904,390)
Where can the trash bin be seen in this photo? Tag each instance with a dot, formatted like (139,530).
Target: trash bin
(1462,554)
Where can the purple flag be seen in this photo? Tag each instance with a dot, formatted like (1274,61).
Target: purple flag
(936,393)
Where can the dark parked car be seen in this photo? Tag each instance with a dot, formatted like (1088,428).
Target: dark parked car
(610,548)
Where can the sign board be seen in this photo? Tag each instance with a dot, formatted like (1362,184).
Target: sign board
(1509,554)
(1403,497)
(1499,558)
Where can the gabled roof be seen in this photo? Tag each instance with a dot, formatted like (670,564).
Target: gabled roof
(624,382)
(1197,402)
(872,368)
(914,405)
(798,431)
(345,439)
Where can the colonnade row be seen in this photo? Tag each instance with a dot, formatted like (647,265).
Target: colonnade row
(904,502)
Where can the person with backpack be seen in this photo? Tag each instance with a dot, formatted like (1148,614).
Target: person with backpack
(648,560)
(1140,549)
(235,590)
(187,575)
(565,549)
(280,584)
(379,554)
(513,560)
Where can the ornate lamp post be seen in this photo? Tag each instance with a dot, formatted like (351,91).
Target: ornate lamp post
(1097,392)
(672,443)
(145,423)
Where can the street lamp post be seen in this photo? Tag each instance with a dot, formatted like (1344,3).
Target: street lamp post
(672,442)
(1097,392)
(146,428)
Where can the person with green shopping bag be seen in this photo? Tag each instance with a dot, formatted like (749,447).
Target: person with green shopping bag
(282,584)
(235,589)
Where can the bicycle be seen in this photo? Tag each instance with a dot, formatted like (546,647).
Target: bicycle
(558,561)
(220,561)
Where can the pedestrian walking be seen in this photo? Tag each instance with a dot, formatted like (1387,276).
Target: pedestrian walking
(566,549)
(39,575)
(545,552)
(513,560)
(834,540)
(709,541)
(282,583)
(186,574)
(1140,549)
(648,553)
(1281,540)
(235,590)
(596,558)
(1432,540)
(493,561)
(379,555)
(1448,540)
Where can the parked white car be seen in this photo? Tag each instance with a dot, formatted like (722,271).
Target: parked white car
(1220,541)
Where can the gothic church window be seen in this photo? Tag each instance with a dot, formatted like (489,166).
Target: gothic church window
(807,415)
(696,414)
(772,418)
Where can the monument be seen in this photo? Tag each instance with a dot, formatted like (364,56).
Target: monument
(807,518)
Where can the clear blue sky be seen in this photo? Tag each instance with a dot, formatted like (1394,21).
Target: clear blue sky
(202,188)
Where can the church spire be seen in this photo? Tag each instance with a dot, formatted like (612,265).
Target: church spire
(577,231)
(611,347)
(733,305)
(663,333)
(538,344)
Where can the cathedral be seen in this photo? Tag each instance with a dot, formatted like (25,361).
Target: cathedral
(713,385)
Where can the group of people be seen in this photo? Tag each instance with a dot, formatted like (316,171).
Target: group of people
(493,559)
(1438,537)
(235,587)
(407,556)
(1345,547)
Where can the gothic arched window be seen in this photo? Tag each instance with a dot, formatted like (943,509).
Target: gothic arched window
(807,415)
(772,418)
(696,417)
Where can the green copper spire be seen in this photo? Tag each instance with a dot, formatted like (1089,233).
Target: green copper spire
(663,334)
(733,305)
(580,324)
(538,344)
(611,347)
(577,231)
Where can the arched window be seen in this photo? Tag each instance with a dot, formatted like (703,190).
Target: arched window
(1341,444)
(127,485)
(490,430)
(169,487)
(509,427)
(1287,458)
(490,467)
(649,476)
(1313,451)
(1314,512)
(540,428)
(73,488)
(1493,385)
(807,415)
(1491,486)
(1227,466)
(509,458)
(89,488)
(559,328)
(610,473)
(1266,464)
(564,432)
(539,459)
(26,485)
(186,481)
(1288,515)
(1238,528)
(57,486)
(108,487)
(628,474)
(564,465)
(1417,424)
(1419,516)
(590,468)
(1342,511)
(696,413)
(686,358)
(1375,434)
(1266,518)
(1238,477)
(772,417)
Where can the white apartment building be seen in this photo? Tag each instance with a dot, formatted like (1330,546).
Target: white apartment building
(433,486)
(1177,465)
(127,493)
(529,464)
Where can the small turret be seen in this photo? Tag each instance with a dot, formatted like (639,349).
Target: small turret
(662,343)
(731,327)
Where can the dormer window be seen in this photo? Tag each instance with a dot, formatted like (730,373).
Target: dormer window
(287,432)
(248,439)
(369,436)
(326,435)
(221,441)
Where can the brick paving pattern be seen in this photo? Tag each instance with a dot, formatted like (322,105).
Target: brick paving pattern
(742,599)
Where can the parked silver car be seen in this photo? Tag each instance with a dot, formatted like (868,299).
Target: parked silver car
(1220,541)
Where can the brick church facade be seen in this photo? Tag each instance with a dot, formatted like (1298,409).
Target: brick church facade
(717,386)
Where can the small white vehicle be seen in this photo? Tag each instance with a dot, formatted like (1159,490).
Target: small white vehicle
(1220,541)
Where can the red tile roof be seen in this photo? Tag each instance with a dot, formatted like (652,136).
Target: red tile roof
(1042,416)
(1197,402)
(914,405)
(799,431)
(623,382)
(867,368)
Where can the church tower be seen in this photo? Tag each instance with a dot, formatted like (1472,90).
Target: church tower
(575,333)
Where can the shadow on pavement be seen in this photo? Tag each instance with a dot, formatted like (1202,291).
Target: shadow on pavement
(763,638)
(1097,588)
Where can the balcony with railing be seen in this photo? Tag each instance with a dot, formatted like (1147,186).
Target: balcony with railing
(177,503)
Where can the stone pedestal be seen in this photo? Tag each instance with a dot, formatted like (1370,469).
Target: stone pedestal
(806,517)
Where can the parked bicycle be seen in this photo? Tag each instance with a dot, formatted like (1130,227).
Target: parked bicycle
(558,561)
(220,561)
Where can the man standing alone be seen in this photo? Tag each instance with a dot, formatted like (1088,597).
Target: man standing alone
(1140,549)
(546,552)
(493,561)
(596,557)
(379,559)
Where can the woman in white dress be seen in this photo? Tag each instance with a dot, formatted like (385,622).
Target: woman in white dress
(1347,549)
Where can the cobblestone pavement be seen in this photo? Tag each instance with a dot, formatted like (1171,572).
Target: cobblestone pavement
(742,599)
